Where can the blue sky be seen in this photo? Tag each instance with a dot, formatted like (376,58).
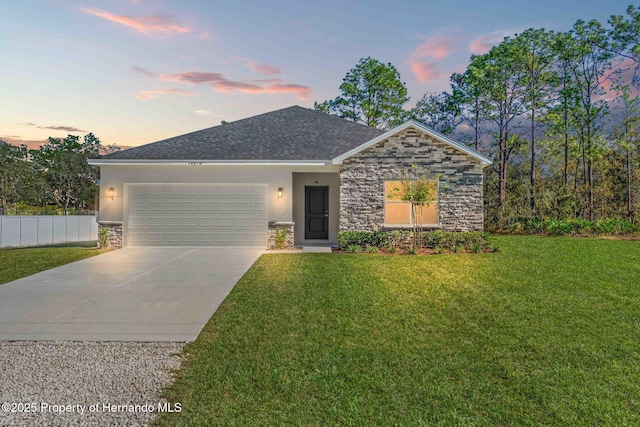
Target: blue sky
(137,71)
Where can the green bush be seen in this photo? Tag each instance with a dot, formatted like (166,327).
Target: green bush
(454,239)
(572,226)
(354,249)
(402,239)
(281,238)
(363,239)
(103,237)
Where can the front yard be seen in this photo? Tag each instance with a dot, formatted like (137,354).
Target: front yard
(20,262)
(544,332)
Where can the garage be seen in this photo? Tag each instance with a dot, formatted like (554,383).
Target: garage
(196,214)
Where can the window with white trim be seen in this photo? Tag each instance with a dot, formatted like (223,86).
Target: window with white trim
(398,212)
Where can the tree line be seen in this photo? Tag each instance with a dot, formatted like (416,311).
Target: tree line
(557,111)
(57,174)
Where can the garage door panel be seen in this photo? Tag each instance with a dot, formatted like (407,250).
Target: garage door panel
(196,215)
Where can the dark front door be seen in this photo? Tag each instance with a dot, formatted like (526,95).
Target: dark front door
(316,213)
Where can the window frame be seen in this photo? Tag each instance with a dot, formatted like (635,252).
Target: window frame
(411,218)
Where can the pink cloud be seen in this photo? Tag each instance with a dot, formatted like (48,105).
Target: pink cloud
(146,94)
(149,25)
(221,84)
(425,72)
(264,68)
(438,47)
(483,44)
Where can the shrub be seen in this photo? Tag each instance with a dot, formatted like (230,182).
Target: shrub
(397,239)
(354,249)
(363,239)
(453,239)
(103,237)
(572,226)
(411,251)
(281,238)
(371,250)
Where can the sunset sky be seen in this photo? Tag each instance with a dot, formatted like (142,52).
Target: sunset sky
(137,71)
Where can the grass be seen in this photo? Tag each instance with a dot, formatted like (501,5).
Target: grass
(21,262)
(544,332)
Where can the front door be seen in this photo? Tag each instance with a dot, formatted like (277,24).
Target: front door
(316,212)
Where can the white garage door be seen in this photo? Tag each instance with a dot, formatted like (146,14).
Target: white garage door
(196,215)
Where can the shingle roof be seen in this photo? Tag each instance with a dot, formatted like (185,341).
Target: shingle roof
(293,133)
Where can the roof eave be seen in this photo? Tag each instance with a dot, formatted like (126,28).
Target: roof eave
(485,161)
(201,162)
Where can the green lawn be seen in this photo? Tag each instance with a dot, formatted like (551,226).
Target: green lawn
(20,262)
(544,332)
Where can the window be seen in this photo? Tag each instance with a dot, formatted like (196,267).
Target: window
(400,213)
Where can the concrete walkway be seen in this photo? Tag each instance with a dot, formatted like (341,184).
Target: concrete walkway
(133,294)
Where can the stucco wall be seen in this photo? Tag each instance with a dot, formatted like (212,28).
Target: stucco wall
(362,179)
(116,176)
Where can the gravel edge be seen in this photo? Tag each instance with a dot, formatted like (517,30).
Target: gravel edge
(85,383)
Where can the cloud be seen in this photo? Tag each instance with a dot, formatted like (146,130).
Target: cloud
(425,72)
(437,47)
(144,72)
(433,48)
(264,68)
(220,83)
(146,94)
(483,44)
(63,128)
(159,25)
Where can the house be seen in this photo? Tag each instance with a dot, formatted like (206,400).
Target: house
(296,169)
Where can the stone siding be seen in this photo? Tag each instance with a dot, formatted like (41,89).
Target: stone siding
(115,233)
(271,236)
(362,177)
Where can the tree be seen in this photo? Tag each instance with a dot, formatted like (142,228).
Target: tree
(71,181)
(466,91)
(420,191)
(372,93)
(588,57)
(496,81)
(13,171)
(626,136)
(625,37)
(534,55)
(439,111)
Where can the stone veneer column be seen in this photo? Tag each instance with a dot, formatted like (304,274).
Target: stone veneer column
(115,233)
(280,225)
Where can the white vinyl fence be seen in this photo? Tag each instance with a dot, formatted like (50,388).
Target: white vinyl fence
(44,229)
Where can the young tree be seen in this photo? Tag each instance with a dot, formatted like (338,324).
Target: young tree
(372,93)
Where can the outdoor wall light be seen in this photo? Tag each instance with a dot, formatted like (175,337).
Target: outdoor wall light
(111,193)
(280,193)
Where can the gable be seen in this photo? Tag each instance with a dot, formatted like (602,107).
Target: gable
(430,134)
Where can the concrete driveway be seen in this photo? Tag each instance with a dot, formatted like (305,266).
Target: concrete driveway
(133,294)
